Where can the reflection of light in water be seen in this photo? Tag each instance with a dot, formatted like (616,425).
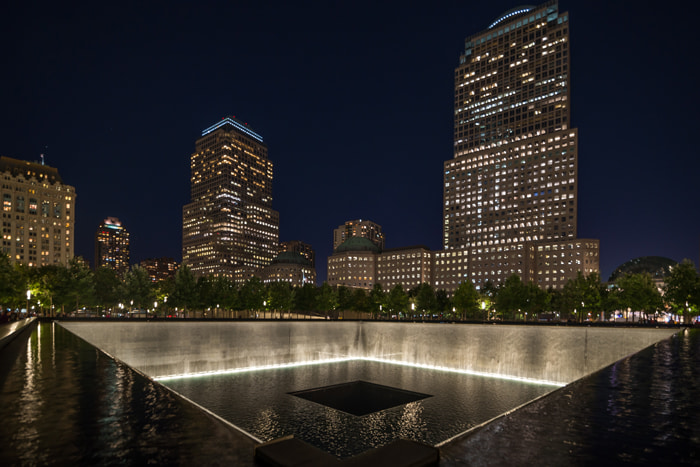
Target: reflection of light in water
(266,424)
(377,430)
(368,359)
(32,402)
(411,424)
(334,428)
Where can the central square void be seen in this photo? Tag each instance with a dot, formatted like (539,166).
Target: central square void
(359,397)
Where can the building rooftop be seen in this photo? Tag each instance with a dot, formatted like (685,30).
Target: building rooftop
(357,244)
(40,171)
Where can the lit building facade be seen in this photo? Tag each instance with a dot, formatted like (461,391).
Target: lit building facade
(354,264)
(112,246)
(513,182)
(359,228)
(229,227)
(159,269)
(409,267)
(38,214)
(291,267)
(300,247)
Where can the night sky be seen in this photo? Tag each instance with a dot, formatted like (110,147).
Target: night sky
(355,102)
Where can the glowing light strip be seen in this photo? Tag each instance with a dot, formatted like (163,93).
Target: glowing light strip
(235,124)
(513,13)
(252,368)
(466,372)
(368,359)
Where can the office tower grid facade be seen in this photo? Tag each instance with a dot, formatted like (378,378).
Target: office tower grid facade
(229,227)
(359,228)
(38,214)
(112,246)
(513,180)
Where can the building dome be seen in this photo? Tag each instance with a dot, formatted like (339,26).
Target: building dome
(657,266)
(357,244)
(291,257)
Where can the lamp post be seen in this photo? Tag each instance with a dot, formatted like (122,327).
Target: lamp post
(29,295)
(483,308)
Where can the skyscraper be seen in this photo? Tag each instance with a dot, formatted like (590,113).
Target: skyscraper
(510,192)
(229,226)
(38,213)
(359,228)
(112,246)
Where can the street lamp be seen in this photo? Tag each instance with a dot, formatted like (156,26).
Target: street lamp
(29,295)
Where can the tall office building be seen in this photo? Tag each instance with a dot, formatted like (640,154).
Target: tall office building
(112,246)
(229,226)
(159,269)
(297,246)
(359,228)
(38,213)
(510,192)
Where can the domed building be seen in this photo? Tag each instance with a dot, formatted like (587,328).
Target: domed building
(291,267)
(354,264)
(658,268)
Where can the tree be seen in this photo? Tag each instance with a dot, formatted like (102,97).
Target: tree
(80,284)
(326,299)
(638,293)
(360,300)
(536,301)
(466,300)
(377,298)
(252,294)
(184,294)
(280,296)
(682,290)
(397,301)
(425,298)
(108,288)
(305,298)
(581,295)
(139,288)
(442,301)
(510,297)
(10,286)
(344,295)
(610,300)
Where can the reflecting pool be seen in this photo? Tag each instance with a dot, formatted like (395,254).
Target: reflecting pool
(259,403)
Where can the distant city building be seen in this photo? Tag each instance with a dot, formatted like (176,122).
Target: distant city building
(159,269)
(354,263)
(300,247)
(512,184)
(229,226)
(359,228)
(510,192)
(408,267)
(38,214)
(291,267)
(112,246)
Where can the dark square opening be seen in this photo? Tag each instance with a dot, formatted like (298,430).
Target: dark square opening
(359,397)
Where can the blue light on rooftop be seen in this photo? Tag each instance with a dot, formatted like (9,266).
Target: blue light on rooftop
(509,14)
(239,126)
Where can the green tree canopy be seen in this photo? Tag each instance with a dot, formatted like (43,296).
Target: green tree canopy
(397,301)
(467,301)
(139,288)
(425,298)
(638,293)
(682,289)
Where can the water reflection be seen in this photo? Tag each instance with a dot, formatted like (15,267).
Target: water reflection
(66,403)
(458,401)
